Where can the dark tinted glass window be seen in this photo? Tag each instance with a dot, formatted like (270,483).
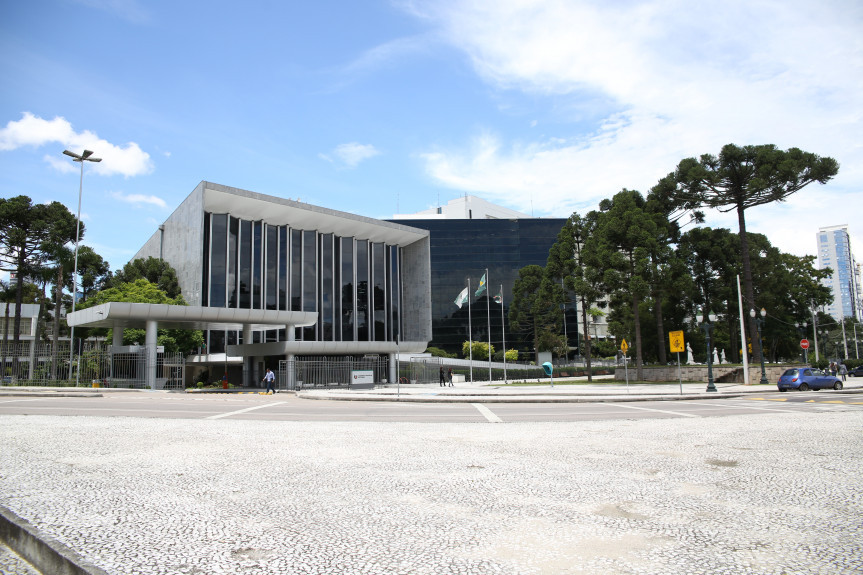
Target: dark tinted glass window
(379,302)
(272,267)
(245,264)
(233,236)
(347,288)
(257,271)
(326,288)
(218,261)
(362,314)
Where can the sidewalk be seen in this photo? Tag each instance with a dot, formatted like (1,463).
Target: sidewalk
(571,390)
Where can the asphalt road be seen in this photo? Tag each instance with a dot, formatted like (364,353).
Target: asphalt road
(287,407)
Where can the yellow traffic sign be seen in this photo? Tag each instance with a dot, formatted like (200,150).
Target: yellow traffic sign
(675,341)
(624,346)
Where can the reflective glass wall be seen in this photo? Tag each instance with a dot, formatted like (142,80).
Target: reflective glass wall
(353,284)
(462,249)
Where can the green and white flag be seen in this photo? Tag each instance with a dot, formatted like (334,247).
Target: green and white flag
(462,298)
(499,297)
(481,287)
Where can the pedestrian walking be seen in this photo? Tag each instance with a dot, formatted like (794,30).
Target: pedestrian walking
(442,377)
(449,377)
(832,368)
(270,378)
(843,371)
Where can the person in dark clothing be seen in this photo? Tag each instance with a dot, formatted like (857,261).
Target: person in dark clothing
(442,377)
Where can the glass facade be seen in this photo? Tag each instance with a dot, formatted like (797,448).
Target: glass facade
(462,249)
(255,265)
(834,252)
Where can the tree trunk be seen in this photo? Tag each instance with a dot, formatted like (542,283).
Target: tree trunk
(5,342)
(660,328)
(587,342)
(16,334)
(747,284)
(638,363)
(55,341)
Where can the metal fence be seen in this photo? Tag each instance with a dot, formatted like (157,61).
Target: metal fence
(328,372)
(39,364)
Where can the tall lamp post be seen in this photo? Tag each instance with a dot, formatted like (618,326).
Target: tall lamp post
(86,156)
(801,331)
(759,323)
(705,320)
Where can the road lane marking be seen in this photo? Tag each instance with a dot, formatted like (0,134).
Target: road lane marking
(489,415)
(657,410)
(230,413)
(734,406)
(20,400)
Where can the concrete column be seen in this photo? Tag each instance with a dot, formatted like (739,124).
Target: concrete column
(256,371)
(116,342)
(394,376)
(291,358)
(150,347)
(247,361)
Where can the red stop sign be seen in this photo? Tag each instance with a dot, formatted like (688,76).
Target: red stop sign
(804,343)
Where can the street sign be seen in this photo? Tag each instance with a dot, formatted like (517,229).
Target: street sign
(675,341)
(624,346)
(804,343)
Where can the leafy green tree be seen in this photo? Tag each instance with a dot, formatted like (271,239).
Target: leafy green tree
(29,235)
(535,306)
(438,352)
(624,238)
(142,291)
(566,262)
(153,270)
(742,177)
(95,272)
(480,350)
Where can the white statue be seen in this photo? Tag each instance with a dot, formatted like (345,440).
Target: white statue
(715,355)
(689,359)
(723,357)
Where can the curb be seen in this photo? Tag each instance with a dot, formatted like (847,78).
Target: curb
(516,398)
(42,551)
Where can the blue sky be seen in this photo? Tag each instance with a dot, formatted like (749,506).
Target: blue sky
(381,107)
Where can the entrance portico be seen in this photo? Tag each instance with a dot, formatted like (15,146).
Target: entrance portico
(151,317)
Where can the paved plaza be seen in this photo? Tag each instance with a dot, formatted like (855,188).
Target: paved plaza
(757,494)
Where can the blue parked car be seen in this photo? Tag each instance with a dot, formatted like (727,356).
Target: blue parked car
(806,378)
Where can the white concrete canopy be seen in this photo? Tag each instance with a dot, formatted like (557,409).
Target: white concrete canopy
(136,315)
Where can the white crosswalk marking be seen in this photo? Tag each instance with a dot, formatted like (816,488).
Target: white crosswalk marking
(489,415)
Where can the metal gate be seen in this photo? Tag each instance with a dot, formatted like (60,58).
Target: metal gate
(328,372)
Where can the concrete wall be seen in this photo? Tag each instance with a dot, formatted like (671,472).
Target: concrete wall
(181,243)
(416,291)
(721,373)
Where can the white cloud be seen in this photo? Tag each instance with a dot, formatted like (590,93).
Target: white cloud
(32,131)
(675,78)
(138,199)
(350,155)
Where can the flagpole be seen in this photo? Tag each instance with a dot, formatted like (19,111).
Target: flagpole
(503,334)
(488,317)
(469,333)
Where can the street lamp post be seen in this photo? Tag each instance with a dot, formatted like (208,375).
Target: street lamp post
(759,323)
(705,320)
(801,331)
(86,156)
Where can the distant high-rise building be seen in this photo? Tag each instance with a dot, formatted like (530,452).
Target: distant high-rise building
(834,252)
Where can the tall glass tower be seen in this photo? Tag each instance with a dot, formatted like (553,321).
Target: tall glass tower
(834,252)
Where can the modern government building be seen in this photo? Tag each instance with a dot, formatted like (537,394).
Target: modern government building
(271,279)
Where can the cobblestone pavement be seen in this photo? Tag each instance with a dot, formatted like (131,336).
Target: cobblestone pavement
(770,494)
